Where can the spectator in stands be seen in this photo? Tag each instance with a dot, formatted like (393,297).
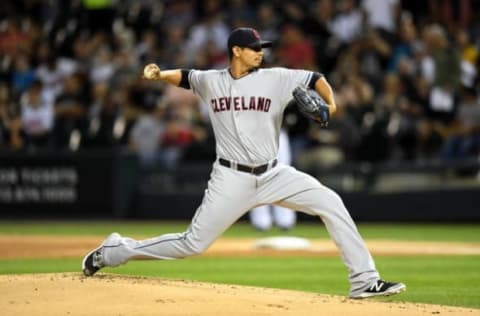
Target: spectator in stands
(10,126)
(173,55)
(145,136)
(441,69)
(317,26)
(145,95)
(267,21)
(346,26)
(179,12)
(125,70)
(211,31)
(53,72)
(13,39)
(446,79)
(70,112)
(240,12)
(23,74)
(140,16)
(293,12)
(187,136)
(84,48)
(176,136)
(37,117)
(333,146)
(463,139)
(373,54)
(469,55)
(103,113)
(398,118)
(103,67)
(296,51)
(404,49)
(354,92)
(382,16)
(146,48)
(429,135)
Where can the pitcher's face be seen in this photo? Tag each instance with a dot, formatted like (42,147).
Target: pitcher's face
(251,57)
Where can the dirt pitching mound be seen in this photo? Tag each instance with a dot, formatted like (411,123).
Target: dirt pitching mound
(106,294)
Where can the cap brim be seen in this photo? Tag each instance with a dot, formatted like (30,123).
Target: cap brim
(265,44)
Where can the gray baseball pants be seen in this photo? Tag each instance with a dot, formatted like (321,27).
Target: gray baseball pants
(230,194)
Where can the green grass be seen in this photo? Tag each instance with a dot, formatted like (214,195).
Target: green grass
(426,232)
(429,279)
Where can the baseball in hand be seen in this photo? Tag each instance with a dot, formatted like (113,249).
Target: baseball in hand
(151,71)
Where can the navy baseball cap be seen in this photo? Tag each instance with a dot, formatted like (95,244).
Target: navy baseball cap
(246,37)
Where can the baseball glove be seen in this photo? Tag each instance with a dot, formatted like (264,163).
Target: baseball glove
(312,105)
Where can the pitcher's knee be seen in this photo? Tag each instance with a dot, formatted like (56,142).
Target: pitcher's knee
(334,201)
(195,247)
(330,204)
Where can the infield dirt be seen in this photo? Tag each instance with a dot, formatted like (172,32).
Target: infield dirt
(73,294)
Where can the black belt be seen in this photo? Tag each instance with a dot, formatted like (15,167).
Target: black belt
(253,170)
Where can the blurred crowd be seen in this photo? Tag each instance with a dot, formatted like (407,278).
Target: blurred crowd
(405,74)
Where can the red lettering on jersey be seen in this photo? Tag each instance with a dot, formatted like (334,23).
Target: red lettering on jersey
(236,103)
(261,104)
(244,106)
(214,105)
(228,101)
(222,103)
(239,104)
(252,104)
(267,104)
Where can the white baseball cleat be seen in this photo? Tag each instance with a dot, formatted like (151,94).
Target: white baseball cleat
(381,288)
(93,261)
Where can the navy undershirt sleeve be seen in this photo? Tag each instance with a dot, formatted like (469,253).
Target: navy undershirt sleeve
(314,79)
(184,83)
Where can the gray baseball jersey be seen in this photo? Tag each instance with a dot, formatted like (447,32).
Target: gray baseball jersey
(246,115)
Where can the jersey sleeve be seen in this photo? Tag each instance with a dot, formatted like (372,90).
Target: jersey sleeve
(197,80)
(292,78)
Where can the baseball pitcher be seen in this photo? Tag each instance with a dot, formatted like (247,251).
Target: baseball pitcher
(246,104)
